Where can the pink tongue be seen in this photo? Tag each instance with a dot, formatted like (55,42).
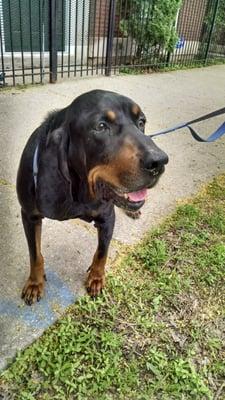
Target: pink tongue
(140,195)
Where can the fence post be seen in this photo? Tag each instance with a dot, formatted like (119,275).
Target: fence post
(211,30)
(111,25)
(52,42)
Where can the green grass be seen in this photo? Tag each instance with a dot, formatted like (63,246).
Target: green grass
(20,87)
(171,66)
(157,332)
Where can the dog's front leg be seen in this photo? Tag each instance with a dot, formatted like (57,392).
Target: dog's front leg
(34,287)
(96,276)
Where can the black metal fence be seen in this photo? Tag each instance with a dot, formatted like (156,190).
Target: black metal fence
(46,40)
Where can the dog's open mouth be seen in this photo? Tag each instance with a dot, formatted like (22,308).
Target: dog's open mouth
(132,201)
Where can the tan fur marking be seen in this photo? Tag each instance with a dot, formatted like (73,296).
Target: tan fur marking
(98,264)
(135,109)
(106,173)
(34,286)
(38,238)
(37,266)
(126,161)
(37,270)
(111,115)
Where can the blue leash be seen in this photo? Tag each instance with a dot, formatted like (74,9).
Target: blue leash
(35,166)
(214,136)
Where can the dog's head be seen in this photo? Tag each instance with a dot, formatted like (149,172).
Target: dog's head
(107,134)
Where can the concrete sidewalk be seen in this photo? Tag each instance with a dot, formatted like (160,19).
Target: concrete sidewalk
(68,247)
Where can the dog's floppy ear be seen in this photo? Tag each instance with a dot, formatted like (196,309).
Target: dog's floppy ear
(54,187)
(58,141)
(77,152)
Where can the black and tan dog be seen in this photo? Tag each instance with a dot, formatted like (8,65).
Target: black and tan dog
(79,163)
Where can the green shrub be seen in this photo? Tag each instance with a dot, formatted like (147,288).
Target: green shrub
(151,24)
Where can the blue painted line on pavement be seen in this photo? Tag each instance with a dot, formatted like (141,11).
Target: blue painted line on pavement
(42,314)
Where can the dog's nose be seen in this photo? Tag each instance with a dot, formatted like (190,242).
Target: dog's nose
(155,161)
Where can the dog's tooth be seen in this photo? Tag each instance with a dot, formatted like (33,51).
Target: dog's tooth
(126,195)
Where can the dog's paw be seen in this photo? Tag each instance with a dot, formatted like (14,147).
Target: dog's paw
(33,291)
(95,283)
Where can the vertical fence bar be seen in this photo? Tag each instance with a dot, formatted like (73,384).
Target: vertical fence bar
(75,39)
(117,34)
(205,30)
(69,39)
(11,44)
(195,21)
(63,38)
(2,76)
(149,47)
(21,41)
(146,27)
(31,42)
(195,49)
(52,42)
(211,30)
(99,31)
(82,39)
(88,39)
(124,10)
(40,40)
(201,22)
(142,17)
(127,39)
(112,13)
(135,41)
(93,42)
(104,33)
(189,7)
(182,20)
(172,55)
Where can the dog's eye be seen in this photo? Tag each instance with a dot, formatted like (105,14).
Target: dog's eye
(141,124)
(101,126)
